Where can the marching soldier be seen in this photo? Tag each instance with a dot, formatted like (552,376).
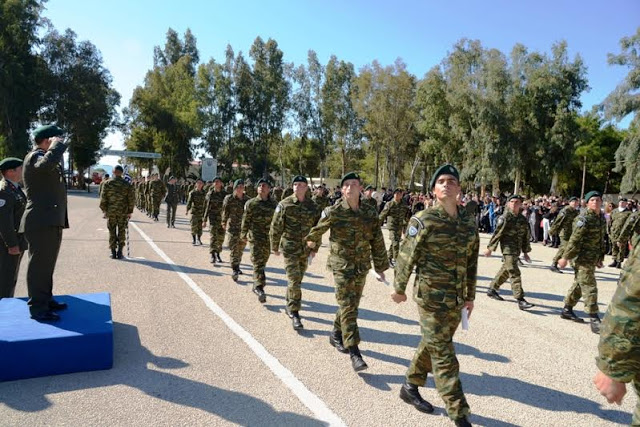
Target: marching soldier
(618,219)
(195,204)
(512,232)
(232,210)
(356,239)
(213,212)
(117,202)
(631,230)
(157,191)
(563,225)
(105,178)
(258,213)
(292,221)
(320,199)
(12,242)
(586,249)
(367,198)
(442,245)
(172,199)
(396,214)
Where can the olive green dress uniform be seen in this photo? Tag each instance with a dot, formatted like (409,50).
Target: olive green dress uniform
(172,199)
(396,215)
(618,219)
(291,222)
(563,226)
(195,204)
(232,211)
(44,218)
(355,240)
(586,249)
(12,204)
(619,347)
(444,251)
(117,202)
(213,213)
(512,233)
(256,223)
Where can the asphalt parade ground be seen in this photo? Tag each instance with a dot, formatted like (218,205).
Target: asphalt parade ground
(194,348)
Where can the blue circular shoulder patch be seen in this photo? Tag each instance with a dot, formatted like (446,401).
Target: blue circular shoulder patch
(412,231)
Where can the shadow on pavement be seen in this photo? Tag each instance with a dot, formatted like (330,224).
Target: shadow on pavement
(164,266)
(130,369)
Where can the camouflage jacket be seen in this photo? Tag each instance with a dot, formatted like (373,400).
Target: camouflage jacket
(256,221)
(232,211)
(444,251)
(618,219)
(195,203)
(157,189)
(630,229)
(396,213)
(250,191)
(586,246)
(355,238)
(321,201)
(277,193)
(370,201)
(472,208)
(213,205)
(291,223)
(619,347)
(563,224)
(117,197)
(513,234)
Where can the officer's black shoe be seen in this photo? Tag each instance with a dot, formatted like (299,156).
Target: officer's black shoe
(410,394)
(213,259)
(295,321)
(113,254)
(287,312)
(555,269)
(493,294)
(618,264)
(357,363)
(199,241)
(613,264)
(595,323)
(462,422)
(523,304)
(119,253)
(335,339)
(240,271)
(568,314)
(57,306)
(47,316)
(218,256)
(234,276)
(259,290)
(193,236)
(168,225)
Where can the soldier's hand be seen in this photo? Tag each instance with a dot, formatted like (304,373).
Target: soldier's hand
(619,244)
(14,250)
(488,252)
(398,298)
(562,263)
(276,253)
(469,306)
(611,389)
(599,264)
(310,244)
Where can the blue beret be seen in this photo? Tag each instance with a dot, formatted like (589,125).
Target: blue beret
(10,163)
(47,131)
(350,175)
(299,178)
(444,170)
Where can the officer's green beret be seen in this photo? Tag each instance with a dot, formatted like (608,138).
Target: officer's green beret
(10,163)
(47,131)
(238,182)
(261,180)
(573,198)
(444,170)
(368,187)
(515,196)
(217,178)
(299,178)
(350,175)
(118,168)
(398,190)
(591,194)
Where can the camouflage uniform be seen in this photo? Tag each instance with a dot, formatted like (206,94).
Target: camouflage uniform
(213,212)
(195,204)
(291,222)
(172,203)
(250,190)
(256,221)
(444,251)
(396,215)
(232,211)
(512,232)
(117,202)
(355,239)
(320,201)
(586,249)
(631,229)
(277,193)
(370,201)
(287,192)
(157,190)
(618,219)
(619,347)
(563,226)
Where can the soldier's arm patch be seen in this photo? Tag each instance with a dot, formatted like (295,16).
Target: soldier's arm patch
(412,231)
(500,220)
(580,222)
(2,202)
(278,208)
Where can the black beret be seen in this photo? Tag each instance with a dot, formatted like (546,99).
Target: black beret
(369,187)
(515,196)
(217,178)
(624,199)
(238,182)
(444,170)
(591,194)
(118,168)
(398,190)
(573,198)
(350,175)
(299,178)
(262,180)
(10,163)
(47,131)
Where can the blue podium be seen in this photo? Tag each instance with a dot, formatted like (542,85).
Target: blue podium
(81,341)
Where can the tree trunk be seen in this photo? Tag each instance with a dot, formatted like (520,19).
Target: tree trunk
(554,184)
(416,162)
(516,185)
(496,187)
(343,153)
(377,165)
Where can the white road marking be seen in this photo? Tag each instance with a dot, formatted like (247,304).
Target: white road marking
(320,410)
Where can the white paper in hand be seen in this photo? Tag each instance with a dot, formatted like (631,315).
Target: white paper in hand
(309,259)
(465,319)
(379,278)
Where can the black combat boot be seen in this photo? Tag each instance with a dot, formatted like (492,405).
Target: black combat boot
(113,254)
(193,236)
(618,264)
(357,363)
(119,254)
(259,290)
(218,256)
(523,304)
(568,314)
(335,339)
(462,422)
(295,321)
(555,269)
(234,276)
(410,394)
(493,294)
(213,258)
(199,241)
(595,323)
(613,264)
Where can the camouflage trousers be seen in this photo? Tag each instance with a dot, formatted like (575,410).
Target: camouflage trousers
(236,246)
(171,213)
(216,235)
(585,286)
(196,225)
(260,251)
(510,270)
(117,225)
(155,206)
(635,421)
(295,267)
(349,284)
(436,354)
(563,245)
(394,245)
(619,253)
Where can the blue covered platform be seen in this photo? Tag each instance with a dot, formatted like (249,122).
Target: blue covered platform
(81,341)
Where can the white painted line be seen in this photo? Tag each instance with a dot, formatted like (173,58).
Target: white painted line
(319,409)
